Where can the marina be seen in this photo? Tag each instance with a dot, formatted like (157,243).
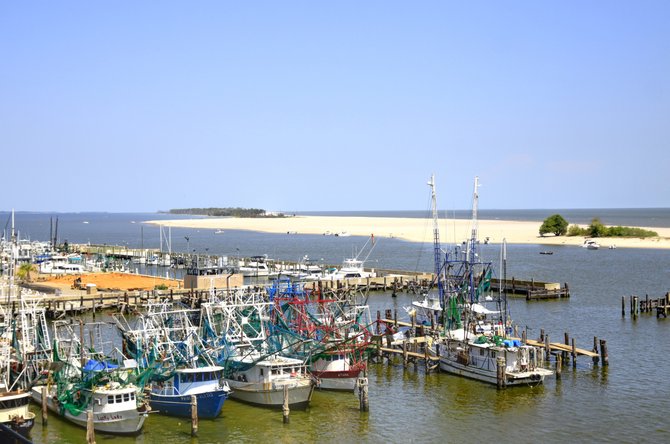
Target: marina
(410,354)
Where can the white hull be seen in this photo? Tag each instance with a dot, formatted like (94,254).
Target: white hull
(125,422)
(490,376)
(479,361)
(272,395)
(340,384)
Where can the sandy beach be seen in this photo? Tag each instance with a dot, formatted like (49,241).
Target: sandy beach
(412,229)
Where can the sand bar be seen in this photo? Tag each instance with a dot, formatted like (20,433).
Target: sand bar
(410,229)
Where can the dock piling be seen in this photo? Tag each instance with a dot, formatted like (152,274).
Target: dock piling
(364,402)
(90,430)
(500,372)
(194,416)
(285,407)
(44,406)
(604,358)
(596,359)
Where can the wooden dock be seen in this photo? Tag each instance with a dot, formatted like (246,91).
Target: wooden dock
(531,289)
(638,305)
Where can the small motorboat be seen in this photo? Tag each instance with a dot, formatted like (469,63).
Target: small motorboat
(546,252)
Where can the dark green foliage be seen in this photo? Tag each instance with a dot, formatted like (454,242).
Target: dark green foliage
(576,230)
(220,212)
(554,224)
(597,229)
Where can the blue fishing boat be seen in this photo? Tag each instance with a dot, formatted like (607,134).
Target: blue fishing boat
(173,396)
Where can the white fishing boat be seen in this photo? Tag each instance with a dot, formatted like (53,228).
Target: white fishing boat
(115,407)
(351,268)
(261,380)
(59,264)
(478,357)
(14,401)
(336,371)
(256,266)
(475,342)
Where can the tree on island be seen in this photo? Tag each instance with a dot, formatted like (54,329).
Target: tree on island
(554,224)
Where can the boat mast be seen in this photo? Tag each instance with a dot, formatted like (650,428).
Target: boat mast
(475,222)
(437,250)
(502,297)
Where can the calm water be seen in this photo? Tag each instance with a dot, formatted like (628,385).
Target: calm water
(627,402)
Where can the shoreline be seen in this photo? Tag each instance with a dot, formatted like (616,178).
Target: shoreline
(413,229)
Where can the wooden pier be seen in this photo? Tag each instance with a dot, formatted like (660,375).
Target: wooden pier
(416,345)
(638,305)
(531,289)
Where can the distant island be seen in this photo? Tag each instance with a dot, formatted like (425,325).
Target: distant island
(227,212)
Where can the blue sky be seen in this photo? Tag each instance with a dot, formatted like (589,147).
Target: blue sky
(288,105)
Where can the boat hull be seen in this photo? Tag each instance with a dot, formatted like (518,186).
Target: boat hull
(127,422)
(490,376)
(344,380)
(272,395)
(209,404)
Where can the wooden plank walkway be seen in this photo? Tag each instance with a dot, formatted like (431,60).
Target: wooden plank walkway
(558,347)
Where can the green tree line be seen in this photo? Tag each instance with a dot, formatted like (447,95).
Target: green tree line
(557,225)
(233,212)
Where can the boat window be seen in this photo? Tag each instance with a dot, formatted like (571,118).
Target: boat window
(493,354)
(119,398)
(132,396)
(261,372)
(110,399)
(126,396)
(481,352)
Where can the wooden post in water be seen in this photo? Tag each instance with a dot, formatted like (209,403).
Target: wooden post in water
(524,337)
(44,405)
(566,342)
(285,407)
(500,372)
(395,318)
(542,335)
(547,350)
(636,306)
(595,350)
(574,354)
(379,317)
(646,303)
(604,358)
(405,358)
(363,400)
(194,416)
(90,431)
(623,306)
(559,366)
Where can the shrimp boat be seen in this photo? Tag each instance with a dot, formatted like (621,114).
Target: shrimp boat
(475,342)
(331,335)
(173,396)
(185,369)
(260,380)
(114,404)
(14,402)
(256,373)
(78,384)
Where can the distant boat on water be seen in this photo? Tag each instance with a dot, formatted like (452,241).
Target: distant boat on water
(590,244)
(219,232)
